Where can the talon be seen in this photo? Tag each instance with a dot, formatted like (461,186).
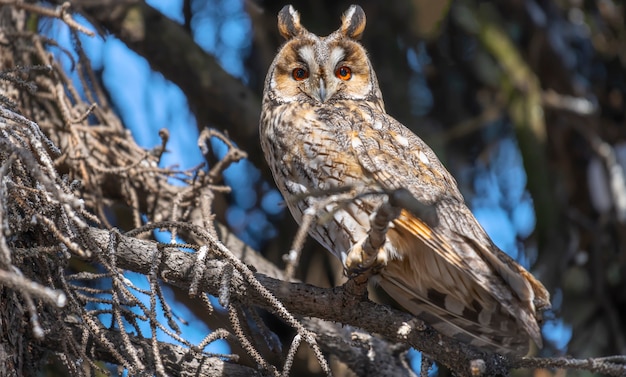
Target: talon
(359,261)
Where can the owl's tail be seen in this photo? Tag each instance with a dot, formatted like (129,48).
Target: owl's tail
(458,287)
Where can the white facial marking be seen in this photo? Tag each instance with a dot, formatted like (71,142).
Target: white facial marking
(307,54)
(336,56)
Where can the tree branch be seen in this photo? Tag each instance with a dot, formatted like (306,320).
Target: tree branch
(335,305)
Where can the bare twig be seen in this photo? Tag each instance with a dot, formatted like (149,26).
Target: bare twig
(17,281)
(61,12)
(244,340)
(234,154)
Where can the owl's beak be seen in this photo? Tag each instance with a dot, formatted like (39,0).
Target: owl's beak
(321,92)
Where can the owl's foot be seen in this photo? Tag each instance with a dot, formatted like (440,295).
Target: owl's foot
(370,254)
(362,257)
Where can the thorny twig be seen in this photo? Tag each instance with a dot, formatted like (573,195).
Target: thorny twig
(244,339)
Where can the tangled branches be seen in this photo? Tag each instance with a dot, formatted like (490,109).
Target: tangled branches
(67,164)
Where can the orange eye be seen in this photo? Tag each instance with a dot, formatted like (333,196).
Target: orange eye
(344,73)
(300,74)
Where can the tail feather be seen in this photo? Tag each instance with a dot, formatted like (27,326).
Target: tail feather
(454,325)
(464,290)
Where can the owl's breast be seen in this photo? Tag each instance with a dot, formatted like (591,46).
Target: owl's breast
(308,149)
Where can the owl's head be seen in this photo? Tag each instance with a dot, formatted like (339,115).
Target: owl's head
(314,69)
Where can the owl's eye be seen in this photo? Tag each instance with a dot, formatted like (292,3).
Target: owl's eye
(300,74)
(344,73)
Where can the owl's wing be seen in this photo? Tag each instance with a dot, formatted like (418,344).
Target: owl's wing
(471,287)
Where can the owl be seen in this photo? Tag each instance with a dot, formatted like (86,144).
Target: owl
(336,154)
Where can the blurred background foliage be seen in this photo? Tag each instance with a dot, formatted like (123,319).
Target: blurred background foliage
(522,100)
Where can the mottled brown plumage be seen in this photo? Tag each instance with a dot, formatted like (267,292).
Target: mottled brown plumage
(324,128)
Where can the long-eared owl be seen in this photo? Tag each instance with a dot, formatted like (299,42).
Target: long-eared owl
(324,130)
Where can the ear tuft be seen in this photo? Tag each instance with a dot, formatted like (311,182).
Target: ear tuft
(289,22)
(353,22)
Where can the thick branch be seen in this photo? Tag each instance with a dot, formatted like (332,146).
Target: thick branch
(365,354)
(303,299)
(334,304)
